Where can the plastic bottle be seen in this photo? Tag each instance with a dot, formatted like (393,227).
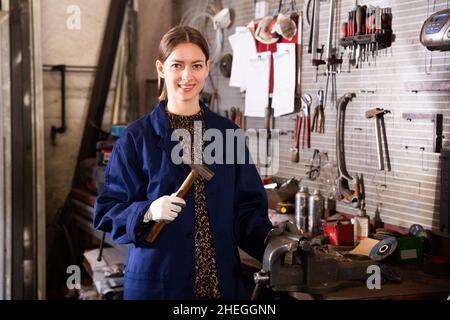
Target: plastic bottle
(362,224)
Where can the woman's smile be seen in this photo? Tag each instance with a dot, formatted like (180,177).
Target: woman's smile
(186,87)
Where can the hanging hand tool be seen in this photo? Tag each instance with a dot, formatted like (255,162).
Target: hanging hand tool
(197,170)
(314,166)
(331,59)
(295,157)
(331,73)
(311,24)
(318,119)
(352,197)
(330,29)
(315,25)
(304,117)
(380,135)
(340,125)
(268,121)
(361,20)
(298,18)
(318,62)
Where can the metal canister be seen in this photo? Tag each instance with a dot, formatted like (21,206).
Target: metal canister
(301,209)
(315,211)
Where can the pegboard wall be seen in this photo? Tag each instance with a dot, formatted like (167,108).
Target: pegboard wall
(409,193)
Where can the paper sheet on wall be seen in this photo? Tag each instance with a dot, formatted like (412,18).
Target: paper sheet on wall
(283,97)
(257,94)
(243,46)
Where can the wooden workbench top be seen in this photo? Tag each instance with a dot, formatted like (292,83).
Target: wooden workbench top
(415,284)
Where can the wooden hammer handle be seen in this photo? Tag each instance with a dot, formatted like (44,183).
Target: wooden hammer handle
(182,191)
(155,231)
(187,184)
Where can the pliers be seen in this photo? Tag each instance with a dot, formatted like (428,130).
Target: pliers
(318,119)
(304,117)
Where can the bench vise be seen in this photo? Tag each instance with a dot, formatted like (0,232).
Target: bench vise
(292,263)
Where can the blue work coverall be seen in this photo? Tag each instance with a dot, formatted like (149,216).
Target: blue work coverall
(140,171)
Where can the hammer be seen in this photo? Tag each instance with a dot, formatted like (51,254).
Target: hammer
(380,135)
(196,170)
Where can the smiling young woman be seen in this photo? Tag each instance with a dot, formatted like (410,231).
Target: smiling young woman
(195,256)
(183,65)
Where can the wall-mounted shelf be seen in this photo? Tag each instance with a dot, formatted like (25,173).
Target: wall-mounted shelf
(436,119)
(415,87)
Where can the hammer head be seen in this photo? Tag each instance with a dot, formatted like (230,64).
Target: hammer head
(375,112)
(202,171)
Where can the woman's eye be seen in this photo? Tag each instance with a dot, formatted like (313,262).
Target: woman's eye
(198,66)
(176,66)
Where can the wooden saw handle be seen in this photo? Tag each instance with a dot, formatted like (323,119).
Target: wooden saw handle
(182,192)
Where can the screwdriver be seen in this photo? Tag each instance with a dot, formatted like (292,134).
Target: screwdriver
(360,24)
(360,20)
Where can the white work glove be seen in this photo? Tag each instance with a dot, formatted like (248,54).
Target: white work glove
(164,209)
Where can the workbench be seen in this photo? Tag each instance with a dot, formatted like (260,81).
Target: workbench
(415,285)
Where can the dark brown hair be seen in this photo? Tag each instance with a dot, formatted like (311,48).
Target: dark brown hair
(175,36)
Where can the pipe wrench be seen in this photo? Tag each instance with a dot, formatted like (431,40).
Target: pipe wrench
(304,117)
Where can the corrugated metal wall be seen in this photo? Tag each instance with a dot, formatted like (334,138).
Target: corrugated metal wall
(410,192)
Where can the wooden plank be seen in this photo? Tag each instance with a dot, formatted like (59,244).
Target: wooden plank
(102,81)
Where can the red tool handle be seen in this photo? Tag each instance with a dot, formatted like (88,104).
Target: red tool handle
(344,30)
(360,20)
(297,131)
(349,24)
(307,133)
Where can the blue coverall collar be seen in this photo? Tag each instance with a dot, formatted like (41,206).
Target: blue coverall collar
(162,127)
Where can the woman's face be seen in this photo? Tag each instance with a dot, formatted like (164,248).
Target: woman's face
(184,72)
